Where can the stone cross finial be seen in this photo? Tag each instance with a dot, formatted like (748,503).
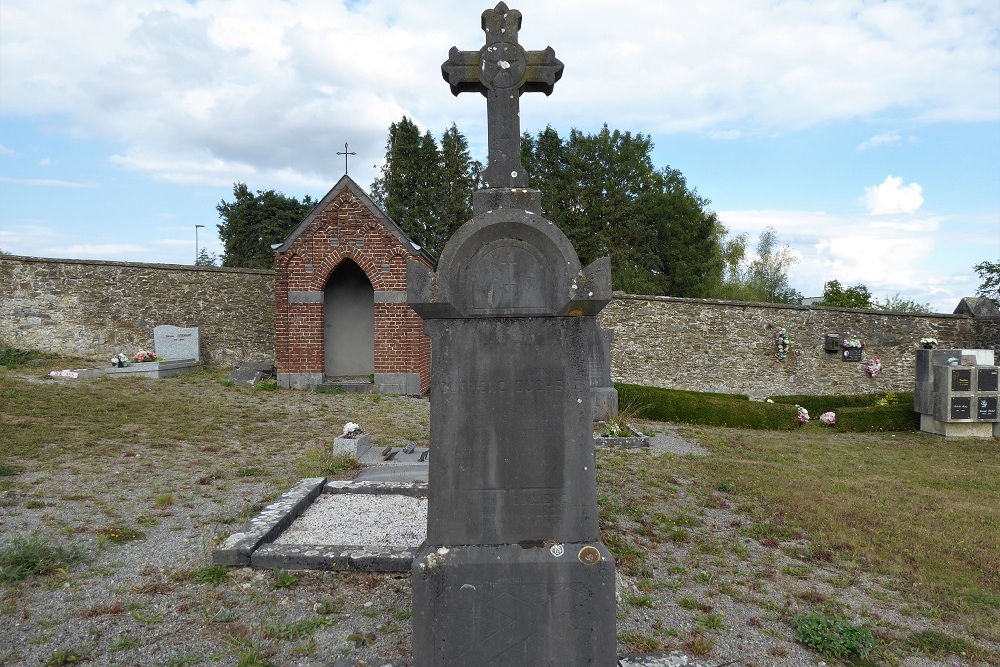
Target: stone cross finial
(501,71)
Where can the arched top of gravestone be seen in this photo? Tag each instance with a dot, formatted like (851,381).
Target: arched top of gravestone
(509,263)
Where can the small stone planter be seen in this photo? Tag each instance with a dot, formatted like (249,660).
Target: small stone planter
(637,439)
(355,446)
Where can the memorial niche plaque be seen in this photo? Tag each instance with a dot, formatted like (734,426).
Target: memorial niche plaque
(961,379)
(961,407)
(851,354)
(987,379)
(986,408)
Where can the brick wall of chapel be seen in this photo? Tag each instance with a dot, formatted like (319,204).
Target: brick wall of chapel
(346,229)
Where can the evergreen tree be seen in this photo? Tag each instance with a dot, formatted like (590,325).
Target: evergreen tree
(426,190)
(252,223)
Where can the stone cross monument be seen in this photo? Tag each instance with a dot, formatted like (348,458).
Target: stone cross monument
(512,573)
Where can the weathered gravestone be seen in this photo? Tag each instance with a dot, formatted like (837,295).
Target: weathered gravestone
(512,572)
(177,343)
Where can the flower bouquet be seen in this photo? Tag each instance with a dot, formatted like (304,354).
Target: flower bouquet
(143,356)
(351,430)
(782,342)
(873,367)
(853,344)
(119,360)
(929,343)
(828,418)
(803,415)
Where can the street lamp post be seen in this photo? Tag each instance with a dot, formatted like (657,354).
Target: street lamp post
(196,242)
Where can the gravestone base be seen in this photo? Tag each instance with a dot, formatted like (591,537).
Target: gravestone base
(513,605)
(958,429)
(155,370)
(604,402)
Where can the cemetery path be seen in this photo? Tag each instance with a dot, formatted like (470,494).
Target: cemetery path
(125,486)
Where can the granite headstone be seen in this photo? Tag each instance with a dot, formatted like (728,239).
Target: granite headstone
(512,572)
(176,343)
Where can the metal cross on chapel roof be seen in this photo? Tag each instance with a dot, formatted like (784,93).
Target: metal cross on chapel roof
(501,71)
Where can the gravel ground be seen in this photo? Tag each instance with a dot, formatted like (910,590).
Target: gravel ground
(393,521)
(154,600)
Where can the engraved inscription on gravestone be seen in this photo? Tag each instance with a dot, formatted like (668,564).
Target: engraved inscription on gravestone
(986,408)
(961,407)
(961,379)
(987,379)
(851,354)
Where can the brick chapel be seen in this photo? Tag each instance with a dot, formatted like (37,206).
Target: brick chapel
(340,288)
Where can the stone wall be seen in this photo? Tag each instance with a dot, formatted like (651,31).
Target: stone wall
(720,346)
(94,309)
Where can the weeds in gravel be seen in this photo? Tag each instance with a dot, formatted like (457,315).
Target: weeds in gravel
(119,534)
(933,643)
(210,574)
(296,630)
(126,644)
(636,642)
(284,579)
(25,556)
(833,636)
(68,656)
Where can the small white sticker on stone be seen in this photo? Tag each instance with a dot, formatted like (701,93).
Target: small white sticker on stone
(557,550)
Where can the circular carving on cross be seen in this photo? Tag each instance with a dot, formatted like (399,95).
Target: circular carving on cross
(504,65)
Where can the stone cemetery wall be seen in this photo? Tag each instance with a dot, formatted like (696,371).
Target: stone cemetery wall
(726,346)
(94,309)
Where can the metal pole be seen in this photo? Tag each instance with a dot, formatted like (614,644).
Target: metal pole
(196,242)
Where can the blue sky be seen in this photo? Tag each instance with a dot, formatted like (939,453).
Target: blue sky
(866,133)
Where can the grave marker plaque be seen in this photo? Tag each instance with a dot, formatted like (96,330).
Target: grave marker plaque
(961,379)
(512,572)
(986,408)
(987,379)
(961,407)
(851,354)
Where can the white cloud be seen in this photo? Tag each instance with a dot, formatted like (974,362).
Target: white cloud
(274,85)
(891,196)
(883,139)
(5,151)
(907,255)
(45,182)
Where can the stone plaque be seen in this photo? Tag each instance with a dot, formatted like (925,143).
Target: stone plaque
(851,354)
(961,407)
(987,379)
(961,379)
(176,343)
(986,408)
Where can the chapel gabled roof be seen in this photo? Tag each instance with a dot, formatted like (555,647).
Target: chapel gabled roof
(348,183)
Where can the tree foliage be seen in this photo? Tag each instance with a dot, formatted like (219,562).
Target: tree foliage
(206,258)
(603,191)
(838,296)
(605,194)
(989,273)
(253,222)
(426,188)
(897,304)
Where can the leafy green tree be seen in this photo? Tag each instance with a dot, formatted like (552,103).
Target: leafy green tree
(206,258)
(605,194)
(252,223)
(838,296)
(989,273)
(898,304)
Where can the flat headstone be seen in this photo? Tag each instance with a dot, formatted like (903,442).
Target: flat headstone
(174,343)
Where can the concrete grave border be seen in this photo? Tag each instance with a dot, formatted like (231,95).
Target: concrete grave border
(252,545)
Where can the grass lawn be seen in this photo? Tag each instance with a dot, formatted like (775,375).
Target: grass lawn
(766,516)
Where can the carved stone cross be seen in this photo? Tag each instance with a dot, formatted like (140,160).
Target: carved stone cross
(501,71)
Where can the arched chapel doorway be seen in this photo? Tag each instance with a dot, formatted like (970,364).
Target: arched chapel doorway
(349,322)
